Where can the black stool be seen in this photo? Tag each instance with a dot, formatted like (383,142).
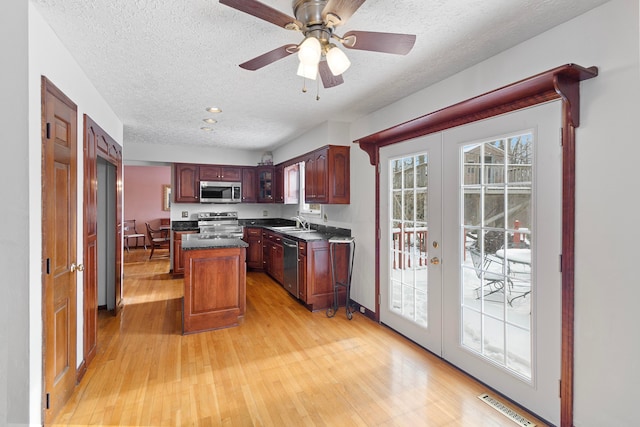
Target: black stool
(341,240)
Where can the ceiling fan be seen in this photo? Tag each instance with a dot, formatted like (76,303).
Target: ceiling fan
(317,20)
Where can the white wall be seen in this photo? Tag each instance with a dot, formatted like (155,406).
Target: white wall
(607,348)
(15,372)
(47,56)
(156,153)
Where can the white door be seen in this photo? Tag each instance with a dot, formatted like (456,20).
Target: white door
(410,222)
(470,223)
(501,258)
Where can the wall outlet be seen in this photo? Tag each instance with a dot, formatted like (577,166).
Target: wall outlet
(362,309)
(185,214)
(265,213)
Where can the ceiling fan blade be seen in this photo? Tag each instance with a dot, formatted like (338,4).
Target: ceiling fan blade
(262,11)
(269,57)
(344,9)
(399,44)
(328,79)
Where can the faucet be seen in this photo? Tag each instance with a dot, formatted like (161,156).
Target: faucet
(303,222)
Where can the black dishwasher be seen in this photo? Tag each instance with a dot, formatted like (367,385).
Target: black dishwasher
(290,265)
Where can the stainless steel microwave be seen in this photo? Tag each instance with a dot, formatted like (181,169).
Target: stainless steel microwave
(220,192)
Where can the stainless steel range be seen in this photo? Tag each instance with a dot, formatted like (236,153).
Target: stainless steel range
(223,225)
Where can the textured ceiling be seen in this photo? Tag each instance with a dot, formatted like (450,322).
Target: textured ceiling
(160,63)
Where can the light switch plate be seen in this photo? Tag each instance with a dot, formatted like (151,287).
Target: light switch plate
(185,214)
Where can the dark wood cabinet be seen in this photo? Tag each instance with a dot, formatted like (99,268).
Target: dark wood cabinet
(253,236)
(318,283)
(220,173)
(278,188)
(178,259)
(249,185)
(186,183)
(214,289)
(265,184)
(302,271)
(274,256)
(327,175)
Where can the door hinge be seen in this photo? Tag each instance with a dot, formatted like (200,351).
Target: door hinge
(48,130)
(560,263)
(560,389)
(561,137)
(48,401)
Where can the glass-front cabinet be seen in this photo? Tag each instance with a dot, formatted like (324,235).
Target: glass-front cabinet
(265,184)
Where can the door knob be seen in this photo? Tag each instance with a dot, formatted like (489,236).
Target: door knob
(75,267)
(435,260)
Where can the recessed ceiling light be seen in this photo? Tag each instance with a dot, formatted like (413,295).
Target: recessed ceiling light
(210,120)
(206,128)
(214,109)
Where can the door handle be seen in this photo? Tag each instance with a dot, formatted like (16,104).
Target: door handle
(435,260)
(78,267)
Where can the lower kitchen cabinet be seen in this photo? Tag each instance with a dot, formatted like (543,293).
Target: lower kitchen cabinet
(274,256)
(302,271)
(314,275)
(253,236)
(178,259)
(315,282)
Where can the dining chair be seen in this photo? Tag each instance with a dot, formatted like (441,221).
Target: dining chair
(130,232)
(157,239)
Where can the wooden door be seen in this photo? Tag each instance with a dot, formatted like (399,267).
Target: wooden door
(90,285)
(97,143)
(59,141)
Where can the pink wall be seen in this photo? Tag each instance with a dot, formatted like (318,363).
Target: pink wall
(143,194)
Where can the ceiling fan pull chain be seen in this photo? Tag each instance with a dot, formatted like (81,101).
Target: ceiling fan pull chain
(304,85)
(317,89)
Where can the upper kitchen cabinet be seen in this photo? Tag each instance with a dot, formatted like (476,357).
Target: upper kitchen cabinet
(327,179)
(220,173)
(249,185)
(265,184)
(278,191)
(187,183)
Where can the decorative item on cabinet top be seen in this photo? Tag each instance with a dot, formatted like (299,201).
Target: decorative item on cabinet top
(267,159)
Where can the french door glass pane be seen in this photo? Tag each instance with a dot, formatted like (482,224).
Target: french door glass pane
(409,229)
(496,283)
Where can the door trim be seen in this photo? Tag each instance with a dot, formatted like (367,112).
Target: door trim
(563,83)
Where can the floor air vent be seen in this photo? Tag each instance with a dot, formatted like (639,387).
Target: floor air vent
(505,410)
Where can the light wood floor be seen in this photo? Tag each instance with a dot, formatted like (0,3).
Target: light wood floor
(283,366)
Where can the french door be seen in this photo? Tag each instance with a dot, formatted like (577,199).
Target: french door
(471,241)
(411,222)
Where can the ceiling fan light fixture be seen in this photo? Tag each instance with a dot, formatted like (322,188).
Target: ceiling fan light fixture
(310,51)
(308,71)
(337,61)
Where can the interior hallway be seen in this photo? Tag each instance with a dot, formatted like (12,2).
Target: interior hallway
(283,366)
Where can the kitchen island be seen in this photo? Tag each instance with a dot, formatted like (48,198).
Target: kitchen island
(214,283)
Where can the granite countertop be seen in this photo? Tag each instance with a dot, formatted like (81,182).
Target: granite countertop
(318,231)
(203,241)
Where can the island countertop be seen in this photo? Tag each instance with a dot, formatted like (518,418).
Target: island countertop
(204,241)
